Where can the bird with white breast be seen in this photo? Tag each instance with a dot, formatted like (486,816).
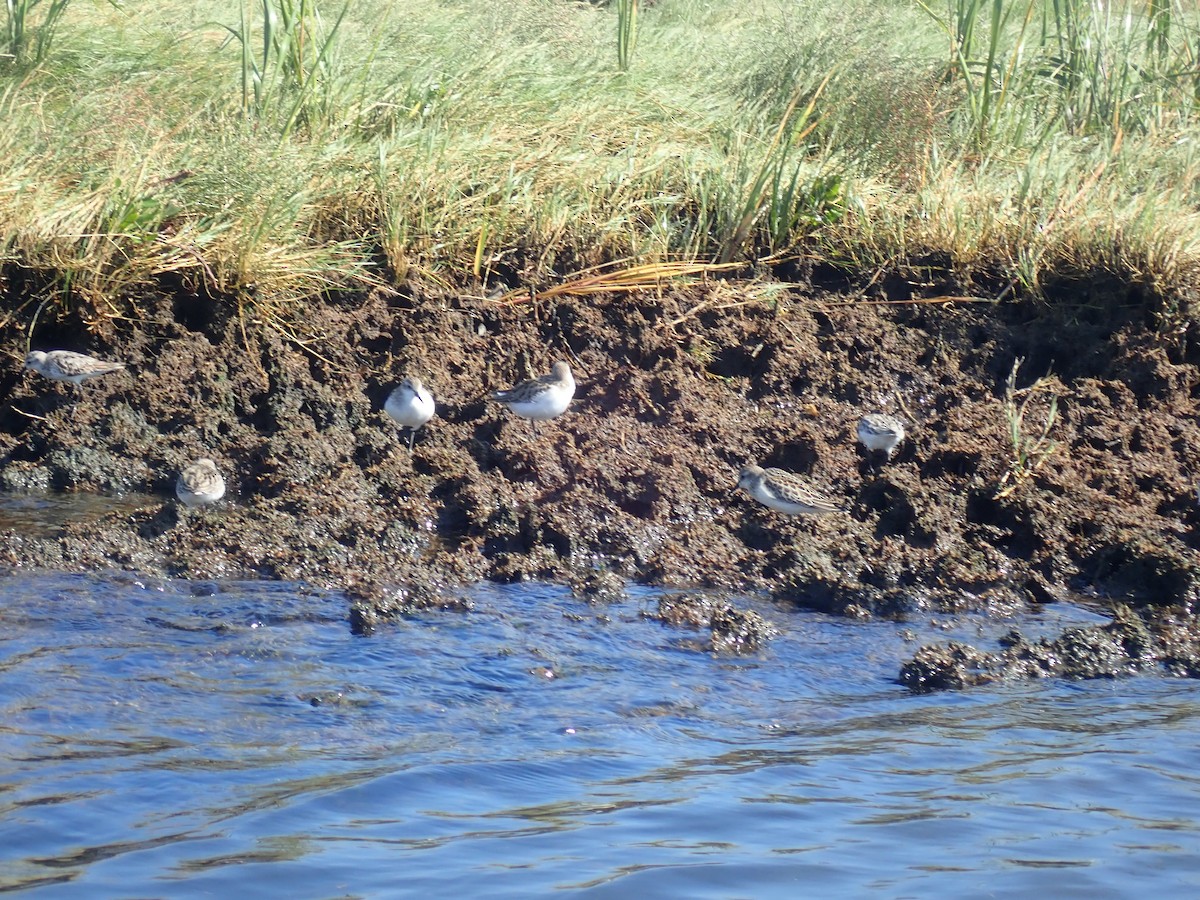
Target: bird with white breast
(410,405)
(784,492)
(543,398)
(200,484)
(67,365)
(880,432)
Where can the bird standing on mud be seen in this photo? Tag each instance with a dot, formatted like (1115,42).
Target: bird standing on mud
(880,432)
(543,398)
(66,365)
(200,484)
(411,406)
(783,492)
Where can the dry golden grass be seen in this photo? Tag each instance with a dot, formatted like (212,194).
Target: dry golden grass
(501,147)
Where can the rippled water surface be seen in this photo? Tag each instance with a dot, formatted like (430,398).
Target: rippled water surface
(172,739)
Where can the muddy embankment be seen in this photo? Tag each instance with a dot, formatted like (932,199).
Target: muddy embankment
(678,390)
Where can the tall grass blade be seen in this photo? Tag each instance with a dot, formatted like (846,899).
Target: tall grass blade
(627,16)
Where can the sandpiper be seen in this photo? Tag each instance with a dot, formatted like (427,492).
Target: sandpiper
(66,365)
(784,492)
(410,405)
(200,484)
(879,431)
(541,399)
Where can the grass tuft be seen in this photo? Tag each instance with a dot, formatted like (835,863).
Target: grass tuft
(1031,447)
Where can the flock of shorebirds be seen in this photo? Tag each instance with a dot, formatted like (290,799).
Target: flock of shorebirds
(411,406)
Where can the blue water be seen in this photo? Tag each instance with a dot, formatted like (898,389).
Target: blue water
(161,738)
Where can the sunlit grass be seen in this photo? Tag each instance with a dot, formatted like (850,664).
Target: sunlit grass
(501,145)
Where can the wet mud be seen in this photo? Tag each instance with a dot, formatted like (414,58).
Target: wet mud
(678,389)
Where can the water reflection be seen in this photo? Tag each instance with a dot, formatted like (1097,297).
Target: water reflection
(43,515)
(236,738)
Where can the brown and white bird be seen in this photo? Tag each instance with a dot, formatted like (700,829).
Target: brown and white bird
(410,405)
(880,432)
(543,398)
(200,484)
(784,492)
(67,365)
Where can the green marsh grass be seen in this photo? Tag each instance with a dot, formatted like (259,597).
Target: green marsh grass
(273,151)
(29,27)
(627,15)
(1029,416)
(287,56)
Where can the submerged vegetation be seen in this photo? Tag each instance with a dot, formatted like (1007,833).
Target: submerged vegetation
(274,150)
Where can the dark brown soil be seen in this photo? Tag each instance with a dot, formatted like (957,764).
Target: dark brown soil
(677,391)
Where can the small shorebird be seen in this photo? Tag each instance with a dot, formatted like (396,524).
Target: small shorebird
(200,484)
(66,365)
(543,398)
(784,492)
(879,431)
(411,406)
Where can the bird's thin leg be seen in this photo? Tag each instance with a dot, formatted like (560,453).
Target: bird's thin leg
(412,436)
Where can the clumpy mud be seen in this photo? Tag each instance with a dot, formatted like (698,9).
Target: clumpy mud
(730,629)
(678,389)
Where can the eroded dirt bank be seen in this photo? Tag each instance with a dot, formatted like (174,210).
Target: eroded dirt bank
(677,391)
